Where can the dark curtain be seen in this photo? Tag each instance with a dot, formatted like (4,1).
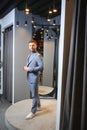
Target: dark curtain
(55,67)
(74,115)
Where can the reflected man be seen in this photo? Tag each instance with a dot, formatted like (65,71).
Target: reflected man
(33,67)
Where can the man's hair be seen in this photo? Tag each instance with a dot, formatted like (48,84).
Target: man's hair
(32,41)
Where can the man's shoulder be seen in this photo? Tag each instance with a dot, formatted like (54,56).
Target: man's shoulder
(38,54)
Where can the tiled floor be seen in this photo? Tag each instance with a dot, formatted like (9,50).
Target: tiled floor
(4,104)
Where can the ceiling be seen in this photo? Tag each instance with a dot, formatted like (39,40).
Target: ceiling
(38,7)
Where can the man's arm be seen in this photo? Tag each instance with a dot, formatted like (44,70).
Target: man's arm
(39,66)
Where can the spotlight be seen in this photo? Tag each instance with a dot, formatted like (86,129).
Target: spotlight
(54,10)
(33,20)
(17,23)
(54,22)
(25,23)
(50,11)
(26,10)
(34,26)
(49,38)
(42,28)
(48,19)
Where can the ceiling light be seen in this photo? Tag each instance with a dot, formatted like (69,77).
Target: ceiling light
(26,8)
(54,10)
(48,19)
(50,11)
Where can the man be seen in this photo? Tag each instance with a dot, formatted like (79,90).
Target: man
(33,67)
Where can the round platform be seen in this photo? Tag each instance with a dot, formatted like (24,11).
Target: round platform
(44,119)
(43,90)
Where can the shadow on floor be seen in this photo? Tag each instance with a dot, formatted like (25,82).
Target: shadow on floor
(4,104)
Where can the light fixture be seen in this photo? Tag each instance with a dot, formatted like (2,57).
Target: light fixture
(17,18)
(33,36)
(52,36)
(42,28)
(41,32)
(54,22)
(26,8)
(54,10)
(45,28)
(32,20)
(17,24)
(47,35)
(49,38)
(34,25)
(42,37)
(25,23)
(48,19)
(50,11)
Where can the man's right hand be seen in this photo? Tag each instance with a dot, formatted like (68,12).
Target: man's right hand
(26,68)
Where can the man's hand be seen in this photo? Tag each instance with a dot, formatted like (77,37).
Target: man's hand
(26,68)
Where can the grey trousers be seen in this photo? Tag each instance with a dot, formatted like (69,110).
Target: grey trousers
(35,97)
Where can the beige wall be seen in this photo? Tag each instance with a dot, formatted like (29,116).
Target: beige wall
(22,36)
(48,60)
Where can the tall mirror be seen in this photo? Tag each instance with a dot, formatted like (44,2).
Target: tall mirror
(45,17)
(46,33)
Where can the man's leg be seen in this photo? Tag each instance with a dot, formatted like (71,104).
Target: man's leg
(34,101)
(34,92)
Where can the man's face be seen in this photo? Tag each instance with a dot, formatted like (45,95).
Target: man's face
(32,46)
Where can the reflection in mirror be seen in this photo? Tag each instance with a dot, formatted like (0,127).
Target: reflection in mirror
(45,18)
(47,35)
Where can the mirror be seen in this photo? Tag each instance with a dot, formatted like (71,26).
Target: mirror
(47,37)
(45,29)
